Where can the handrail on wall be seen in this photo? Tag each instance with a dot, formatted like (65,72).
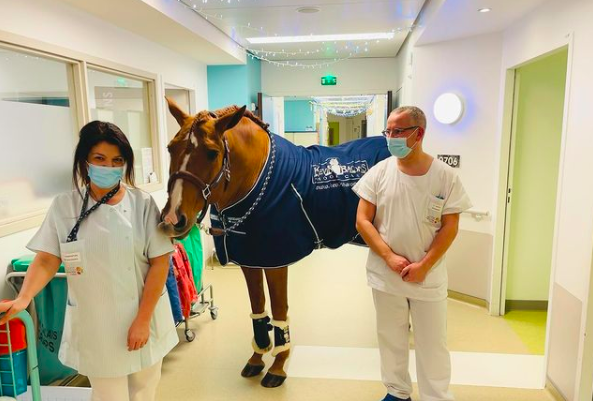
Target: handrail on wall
(478,215)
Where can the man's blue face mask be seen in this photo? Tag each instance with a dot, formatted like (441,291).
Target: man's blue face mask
(398,147)
(105,177)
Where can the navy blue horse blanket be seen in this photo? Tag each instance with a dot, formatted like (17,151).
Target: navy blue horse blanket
(308,204)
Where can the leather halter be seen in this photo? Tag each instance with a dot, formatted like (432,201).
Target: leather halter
(206,189)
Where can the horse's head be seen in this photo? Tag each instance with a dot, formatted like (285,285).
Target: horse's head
(198,163)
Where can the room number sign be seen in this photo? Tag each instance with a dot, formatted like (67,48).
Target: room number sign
(452,160)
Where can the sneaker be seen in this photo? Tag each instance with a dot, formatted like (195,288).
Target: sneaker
(390,397)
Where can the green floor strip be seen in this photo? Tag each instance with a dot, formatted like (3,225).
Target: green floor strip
(530,326)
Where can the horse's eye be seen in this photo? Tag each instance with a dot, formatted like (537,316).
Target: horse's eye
(211,154)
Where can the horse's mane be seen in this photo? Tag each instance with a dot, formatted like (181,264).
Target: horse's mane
(205,115)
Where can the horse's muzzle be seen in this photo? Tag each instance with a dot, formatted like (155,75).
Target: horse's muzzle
(178,230)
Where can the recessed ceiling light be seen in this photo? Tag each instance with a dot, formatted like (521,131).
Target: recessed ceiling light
(485,10)
(308,10)
(321,38)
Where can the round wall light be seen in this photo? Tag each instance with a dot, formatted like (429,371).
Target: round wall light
(448,108)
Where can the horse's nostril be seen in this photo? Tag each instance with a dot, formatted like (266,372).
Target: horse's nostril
(181,223)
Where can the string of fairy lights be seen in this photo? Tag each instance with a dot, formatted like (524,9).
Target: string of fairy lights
(348,106)
(331,51)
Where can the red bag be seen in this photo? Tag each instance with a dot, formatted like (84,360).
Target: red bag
(18,337)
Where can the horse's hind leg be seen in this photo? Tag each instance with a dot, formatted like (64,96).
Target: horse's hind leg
(278,287)
(261,322)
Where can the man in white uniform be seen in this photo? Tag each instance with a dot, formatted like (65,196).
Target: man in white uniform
(409,215)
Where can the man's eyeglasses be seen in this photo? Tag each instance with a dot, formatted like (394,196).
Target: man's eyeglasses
(397,132)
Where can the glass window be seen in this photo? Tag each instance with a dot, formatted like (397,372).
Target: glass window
(38,133)
(124,101)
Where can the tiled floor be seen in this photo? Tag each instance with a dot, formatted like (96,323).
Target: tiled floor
(208,368)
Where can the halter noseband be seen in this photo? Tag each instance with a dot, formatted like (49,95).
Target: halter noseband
(206,189)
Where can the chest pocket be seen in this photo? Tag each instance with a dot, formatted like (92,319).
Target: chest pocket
(434,211)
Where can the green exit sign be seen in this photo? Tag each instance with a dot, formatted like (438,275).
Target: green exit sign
(329,80)
(121,81)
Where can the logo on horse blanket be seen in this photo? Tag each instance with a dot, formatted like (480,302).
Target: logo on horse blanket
(308,204)
(332,171)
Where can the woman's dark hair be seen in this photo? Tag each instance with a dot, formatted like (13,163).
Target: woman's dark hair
(90,135)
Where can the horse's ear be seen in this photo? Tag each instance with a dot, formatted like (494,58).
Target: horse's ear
(179,114)
(230,120)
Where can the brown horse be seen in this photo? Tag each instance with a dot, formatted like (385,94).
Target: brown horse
(301,200)
(198,153)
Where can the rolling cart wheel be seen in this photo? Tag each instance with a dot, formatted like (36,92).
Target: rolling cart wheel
(190,335)
(214,313)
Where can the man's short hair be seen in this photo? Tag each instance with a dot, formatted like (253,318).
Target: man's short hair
(417,114)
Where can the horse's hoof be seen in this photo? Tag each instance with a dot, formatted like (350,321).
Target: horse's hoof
(252,370)
(271,380)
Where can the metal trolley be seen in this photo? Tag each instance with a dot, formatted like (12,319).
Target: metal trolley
(198,309)
(9,373)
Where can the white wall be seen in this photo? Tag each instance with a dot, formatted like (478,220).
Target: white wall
(470,68)
(55,23)
(404,78)
(321,124)
(353,78)
(273,114)
(278,103)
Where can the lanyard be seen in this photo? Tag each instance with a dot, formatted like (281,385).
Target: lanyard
(85,213)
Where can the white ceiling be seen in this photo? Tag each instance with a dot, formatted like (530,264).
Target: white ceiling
(253,18)
(182,27)
(460,18)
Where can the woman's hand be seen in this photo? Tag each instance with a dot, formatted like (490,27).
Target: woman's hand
(138,334)
(11,308)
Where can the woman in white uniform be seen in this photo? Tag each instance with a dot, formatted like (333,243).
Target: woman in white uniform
(118,324)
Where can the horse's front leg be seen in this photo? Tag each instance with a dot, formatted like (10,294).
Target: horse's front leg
(278,287)
(261,322)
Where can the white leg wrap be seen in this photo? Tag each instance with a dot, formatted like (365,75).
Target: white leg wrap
(259,350)
(258,315)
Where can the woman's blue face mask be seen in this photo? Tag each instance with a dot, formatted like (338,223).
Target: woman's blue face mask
(105,177)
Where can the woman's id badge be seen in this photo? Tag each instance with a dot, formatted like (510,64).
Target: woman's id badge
(72,255)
